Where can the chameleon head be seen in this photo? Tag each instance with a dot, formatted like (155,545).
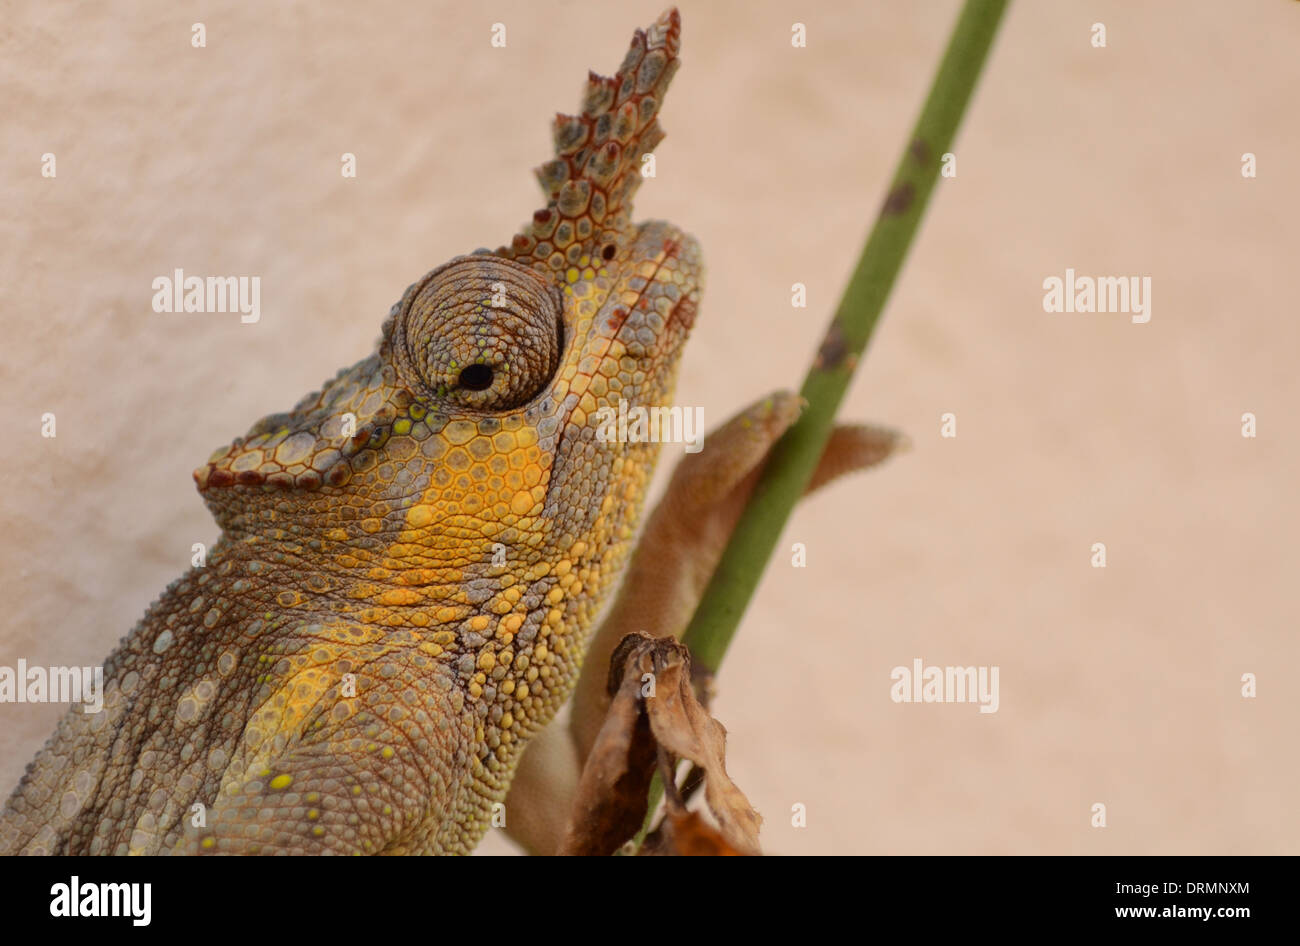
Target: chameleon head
(459,483)
(463,460)
(464,455)
(475,426)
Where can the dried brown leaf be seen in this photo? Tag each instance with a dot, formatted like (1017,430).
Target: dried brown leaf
(641,731)
(685,728)
(610,804)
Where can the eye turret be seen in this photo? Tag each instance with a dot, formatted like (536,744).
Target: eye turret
(483,333)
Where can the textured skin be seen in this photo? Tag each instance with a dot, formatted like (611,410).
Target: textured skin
(434,531)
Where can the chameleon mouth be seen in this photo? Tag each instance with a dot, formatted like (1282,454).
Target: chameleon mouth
(677,273)
(684,313)
(686,307)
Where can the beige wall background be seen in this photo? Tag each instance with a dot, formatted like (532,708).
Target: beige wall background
(1119,686)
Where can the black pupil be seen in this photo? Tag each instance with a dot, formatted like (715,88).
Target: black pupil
(608,252)
(476,378)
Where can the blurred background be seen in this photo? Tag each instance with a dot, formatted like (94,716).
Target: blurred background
(1118,686)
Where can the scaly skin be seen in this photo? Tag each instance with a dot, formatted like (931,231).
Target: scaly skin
(410,559)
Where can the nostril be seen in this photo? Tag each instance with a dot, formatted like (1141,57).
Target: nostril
(476,377)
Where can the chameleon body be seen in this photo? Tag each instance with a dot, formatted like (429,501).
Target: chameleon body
(411,559)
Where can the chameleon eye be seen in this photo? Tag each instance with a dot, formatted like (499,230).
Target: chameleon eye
(482,333)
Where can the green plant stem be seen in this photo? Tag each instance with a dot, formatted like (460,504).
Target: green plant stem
(795,456)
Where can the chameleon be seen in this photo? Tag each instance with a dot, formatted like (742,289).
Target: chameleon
(412,560)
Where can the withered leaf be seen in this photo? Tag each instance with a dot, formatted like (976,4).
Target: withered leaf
(610,805)
(683,727)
